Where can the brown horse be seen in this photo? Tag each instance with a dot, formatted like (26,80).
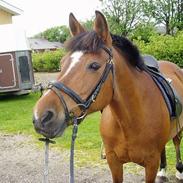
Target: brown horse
(135,123)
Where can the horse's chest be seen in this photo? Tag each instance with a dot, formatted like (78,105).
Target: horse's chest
(129,154)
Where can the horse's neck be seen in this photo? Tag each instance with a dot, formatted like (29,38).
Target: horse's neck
(126,104)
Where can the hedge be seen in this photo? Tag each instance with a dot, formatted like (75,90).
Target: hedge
(48,61)
(164,47)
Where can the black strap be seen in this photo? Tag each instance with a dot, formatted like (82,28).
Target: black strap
(67,115)
(68,91)
(109,51)
(93,95)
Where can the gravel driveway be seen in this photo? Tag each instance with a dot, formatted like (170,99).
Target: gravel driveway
(21,161)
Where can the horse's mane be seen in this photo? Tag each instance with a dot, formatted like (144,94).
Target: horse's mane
(128,50)
(91,42)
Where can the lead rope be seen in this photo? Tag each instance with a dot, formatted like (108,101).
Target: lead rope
(45,177)
(45,173)
(74,135)
(47,141)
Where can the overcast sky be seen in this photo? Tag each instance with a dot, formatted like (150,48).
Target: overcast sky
(39,15)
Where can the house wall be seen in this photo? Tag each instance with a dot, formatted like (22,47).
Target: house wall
(5,17)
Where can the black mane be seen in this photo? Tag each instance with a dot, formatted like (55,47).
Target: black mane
(91,42)
(129,51)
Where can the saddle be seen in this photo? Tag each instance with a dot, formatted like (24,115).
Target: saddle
(164,84)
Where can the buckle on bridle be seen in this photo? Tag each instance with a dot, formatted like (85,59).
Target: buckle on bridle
(110,61)
(93,98)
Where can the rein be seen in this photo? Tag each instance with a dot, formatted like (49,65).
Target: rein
(59,87)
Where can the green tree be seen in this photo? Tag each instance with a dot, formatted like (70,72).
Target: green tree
(179,18)
(167,12)
(59,33)
(122,15)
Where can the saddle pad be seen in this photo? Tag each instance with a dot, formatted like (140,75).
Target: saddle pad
(166,90)
(151,62)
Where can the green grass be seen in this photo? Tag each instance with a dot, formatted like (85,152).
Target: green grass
(16,113)
(16,118)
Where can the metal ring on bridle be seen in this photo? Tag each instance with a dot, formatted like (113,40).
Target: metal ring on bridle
(83,112)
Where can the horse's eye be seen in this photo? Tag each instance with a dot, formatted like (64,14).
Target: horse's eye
(94,66)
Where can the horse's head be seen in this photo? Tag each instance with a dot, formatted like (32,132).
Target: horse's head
(84,84)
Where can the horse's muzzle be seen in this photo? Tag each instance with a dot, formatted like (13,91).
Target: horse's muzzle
(48,125)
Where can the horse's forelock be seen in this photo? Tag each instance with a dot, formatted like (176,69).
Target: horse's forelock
(86,41)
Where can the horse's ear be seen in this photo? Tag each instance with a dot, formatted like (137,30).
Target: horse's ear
(102,29)
(75,27)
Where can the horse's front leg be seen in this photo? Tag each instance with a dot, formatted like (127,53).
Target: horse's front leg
(151,169)
(115,166)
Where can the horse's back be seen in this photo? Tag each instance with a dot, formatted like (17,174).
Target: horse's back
(173,72)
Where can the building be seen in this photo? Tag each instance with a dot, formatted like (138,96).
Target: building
(7,11)
(41,45)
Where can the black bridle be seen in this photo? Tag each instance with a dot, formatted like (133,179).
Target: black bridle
(57,87)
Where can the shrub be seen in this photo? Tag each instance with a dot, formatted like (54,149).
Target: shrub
(47,61)
(164,47)
(143,32)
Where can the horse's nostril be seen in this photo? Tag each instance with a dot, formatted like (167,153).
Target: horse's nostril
(33,120)
(47,117)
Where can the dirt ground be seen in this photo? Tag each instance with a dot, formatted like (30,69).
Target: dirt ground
(21,161)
